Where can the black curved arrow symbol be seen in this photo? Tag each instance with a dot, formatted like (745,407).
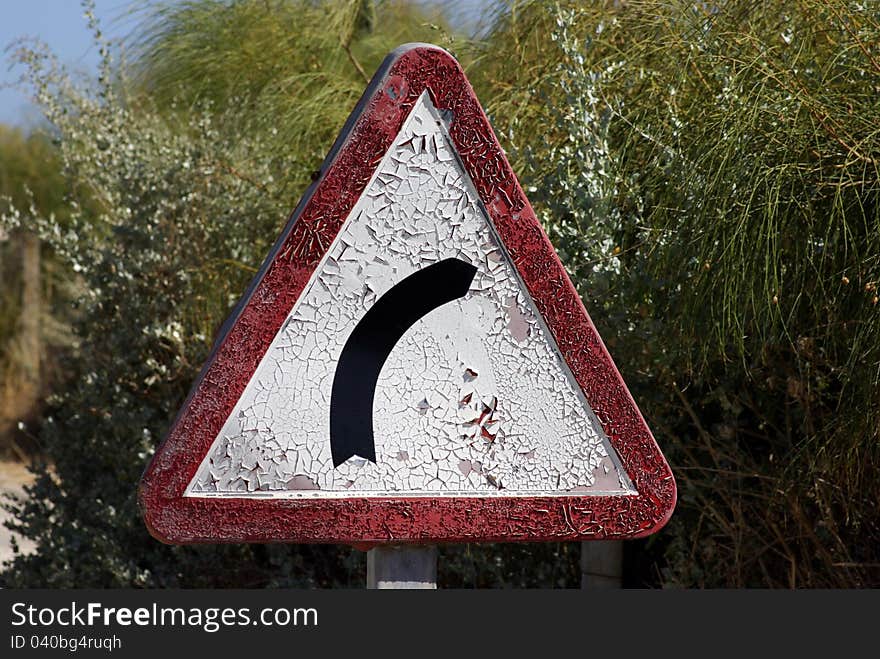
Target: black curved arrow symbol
(373,338)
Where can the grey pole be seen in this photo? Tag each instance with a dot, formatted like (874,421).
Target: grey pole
(602,564)
(402,567)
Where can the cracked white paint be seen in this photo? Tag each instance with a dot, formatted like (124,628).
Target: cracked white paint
(474,398)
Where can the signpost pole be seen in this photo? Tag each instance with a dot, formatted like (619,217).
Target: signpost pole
(601,564)
(402,567)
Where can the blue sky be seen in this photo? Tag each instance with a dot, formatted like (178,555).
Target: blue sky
(60,24)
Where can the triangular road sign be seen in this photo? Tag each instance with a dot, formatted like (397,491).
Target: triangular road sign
(411,363)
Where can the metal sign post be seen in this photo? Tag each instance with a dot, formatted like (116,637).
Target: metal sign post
(402,567)
(601,564)
(411,364)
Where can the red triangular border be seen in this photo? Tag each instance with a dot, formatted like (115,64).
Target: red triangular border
(366,137)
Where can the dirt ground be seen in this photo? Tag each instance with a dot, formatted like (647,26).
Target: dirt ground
(13,477)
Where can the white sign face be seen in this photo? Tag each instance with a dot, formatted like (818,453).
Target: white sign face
(474,398)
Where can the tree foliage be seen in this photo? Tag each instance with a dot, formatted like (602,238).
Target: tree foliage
(711,178)
(290,70)
(36,290)
(30,176)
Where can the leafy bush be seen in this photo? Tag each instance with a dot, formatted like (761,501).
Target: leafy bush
(35,289)
(710,176)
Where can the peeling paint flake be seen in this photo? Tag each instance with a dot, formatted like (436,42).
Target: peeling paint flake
(474,399)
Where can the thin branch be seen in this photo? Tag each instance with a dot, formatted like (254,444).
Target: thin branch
(347,48)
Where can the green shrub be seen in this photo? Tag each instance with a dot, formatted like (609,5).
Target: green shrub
(710,176)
